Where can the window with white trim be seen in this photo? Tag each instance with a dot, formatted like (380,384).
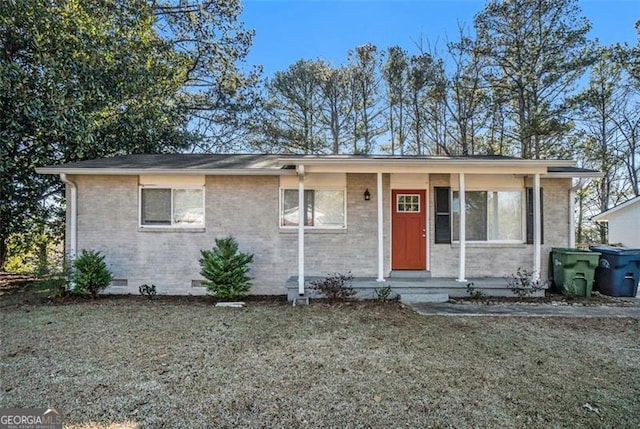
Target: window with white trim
(408,203)
(490,216)
(172,207)
(324,208)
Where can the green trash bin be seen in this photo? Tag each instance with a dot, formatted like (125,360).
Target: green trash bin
(574,270)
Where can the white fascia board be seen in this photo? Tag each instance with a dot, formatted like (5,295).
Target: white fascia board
(576,175)
(381,162)
(178,171)
(445,165)
(496,168)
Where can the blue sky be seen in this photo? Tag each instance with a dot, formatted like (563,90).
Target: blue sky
(288,30)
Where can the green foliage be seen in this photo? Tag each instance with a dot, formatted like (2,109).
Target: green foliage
(89,79)
(335,287)
(218,98)
(536,52)
(569,291)
(148,291)
(90,273)
(37,252)
(522,285)
(58,277)
(473,292)
(226,269)
(383,293)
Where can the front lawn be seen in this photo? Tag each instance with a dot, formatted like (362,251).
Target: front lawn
(182,363)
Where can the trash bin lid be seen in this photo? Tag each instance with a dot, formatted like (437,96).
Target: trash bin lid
(569,250)
(622,251)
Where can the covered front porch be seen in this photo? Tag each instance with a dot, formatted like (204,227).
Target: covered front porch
(415,187)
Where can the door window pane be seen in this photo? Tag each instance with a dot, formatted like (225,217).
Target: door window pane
(408,203)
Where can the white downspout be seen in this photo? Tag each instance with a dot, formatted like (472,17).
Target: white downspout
(462,229)
(380,229)
(72,205)
(537,229)
(301,216)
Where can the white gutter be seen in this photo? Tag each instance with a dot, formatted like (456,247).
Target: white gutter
(169,171)
(576,175)
(381,162)
(72,205)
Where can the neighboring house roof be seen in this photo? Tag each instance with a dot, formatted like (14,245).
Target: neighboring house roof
(261,164)
(604,216)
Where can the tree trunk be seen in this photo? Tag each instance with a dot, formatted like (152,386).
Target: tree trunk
(3,251)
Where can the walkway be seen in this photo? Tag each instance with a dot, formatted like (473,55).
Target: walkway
(524,310)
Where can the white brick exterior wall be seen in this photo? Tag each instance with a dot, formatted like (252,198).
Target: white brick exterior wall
(247,208)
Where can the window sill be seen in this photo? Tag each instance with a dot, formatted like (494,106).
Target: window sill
(491,245)
(170,229)
(314,231)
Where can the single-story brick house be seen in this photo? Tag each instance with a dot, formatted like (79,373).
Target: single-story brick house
(392,220)
(623,221)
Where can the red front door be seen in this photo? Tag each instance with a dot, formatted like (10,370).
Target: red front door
(408,230)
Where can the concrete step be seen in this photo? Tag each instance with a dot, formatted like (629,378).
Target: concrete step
(409,274)
(412,298)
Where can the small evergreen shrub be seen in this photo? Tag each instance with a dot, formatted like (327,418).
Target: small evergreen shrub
(226,270)
(90,274)
(333,287)
(148,291)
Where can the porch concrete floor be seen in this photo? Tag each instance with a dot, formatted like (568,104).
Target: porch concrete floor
(365,287)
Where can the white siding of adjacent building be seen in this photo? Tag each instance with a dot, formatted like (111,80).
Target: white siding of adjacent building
(624,226)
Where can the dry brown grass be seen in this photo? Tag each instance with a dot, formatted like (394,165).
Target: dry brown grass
(134,363)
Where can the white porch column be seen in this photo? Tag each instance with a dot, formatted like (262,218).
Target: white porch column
(380,198)
(462,229)
(572,216)
(301,217)
(537,228)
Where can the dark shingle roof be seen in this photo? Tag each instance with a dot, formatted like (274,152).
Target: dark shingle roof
(177,161)
(276,163)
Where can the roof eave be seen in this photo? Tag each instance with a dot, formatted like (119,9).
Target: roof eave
(171,171)
(603,217)
(573,175)
(427,162)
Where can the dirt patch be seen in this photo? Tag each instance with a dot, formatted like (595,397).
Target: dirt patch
(165,363)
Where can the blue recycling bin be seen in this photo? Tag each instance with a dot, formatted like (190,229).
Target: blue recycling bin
(618,270)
